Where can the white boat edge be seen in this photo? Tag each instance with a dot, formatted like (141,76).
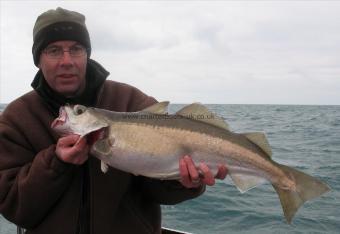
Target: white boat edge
(166,230)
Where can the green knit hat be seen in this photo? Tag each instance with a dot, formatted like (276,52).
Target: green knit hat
(58,25)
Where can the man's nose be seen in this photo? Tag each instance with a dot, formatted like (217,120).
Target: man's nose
(66,58)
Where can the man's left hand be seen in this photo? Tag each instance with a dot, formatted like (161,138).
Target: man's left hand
(192,178)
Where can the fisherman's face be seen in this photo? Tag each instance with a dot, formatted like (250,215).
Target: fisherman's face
(64,71)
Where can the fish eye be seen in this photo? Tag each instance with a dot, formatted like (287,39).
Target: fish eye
(78,109)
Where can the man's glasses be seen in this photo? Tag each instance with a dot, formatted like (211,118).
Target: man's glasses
(57,52)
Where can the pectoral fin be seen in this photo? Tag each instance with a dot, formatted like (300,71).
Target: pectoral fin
(102,147)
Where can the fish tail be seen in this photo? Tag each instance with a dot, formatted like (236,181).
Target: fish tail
(306,188)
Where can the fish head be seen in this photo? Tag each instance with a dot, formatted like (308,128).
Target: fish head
(80,120)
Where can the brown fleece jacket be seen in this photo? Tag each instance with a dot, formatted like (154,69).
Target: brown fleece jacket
(44,195)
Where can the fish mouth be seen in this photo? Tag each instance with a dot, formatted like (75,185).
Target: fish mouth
(61,120)
(90,137)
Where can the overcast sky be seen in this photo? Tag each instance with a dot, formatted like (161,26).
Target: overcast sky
(234,52)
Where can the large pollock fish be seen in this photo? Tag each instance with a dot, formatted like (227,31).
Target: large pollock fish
(151,142)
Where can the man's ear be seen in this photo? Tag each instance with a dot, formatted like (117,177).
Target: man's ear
(39,63)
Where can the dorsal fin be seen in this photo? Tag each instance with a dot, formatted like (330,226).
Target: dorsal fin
(158,108)
(199,112)
(259,139)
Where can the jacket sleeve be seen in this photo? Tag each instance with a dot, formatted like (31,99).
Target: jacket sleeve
(168,192)
(30,183)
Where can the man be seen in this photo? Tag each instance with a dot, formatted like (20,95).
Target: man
(50,184)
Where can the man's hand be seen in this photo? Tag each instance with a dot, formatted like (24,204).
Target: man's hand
(191,178)
(71,149)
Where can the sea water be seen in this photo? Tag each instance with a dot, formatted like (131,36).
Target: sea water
(304,137)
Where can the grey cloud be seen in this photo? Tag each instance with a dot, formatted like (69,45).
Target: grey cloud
(222,52)
(105,40)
